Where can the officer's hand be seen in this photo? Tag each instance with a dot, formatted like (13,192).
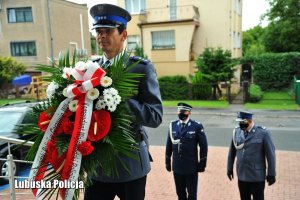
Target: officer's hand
(168,167)
(230,174)
(168,164)
(271,180)
(201,169)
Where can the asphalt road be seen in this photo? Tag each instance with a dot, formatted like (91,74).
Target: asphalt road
(219,124)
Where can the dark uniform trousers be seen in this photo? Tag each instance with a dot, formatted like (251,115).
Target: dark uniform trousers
(256,189)
(186,181)
(132,190)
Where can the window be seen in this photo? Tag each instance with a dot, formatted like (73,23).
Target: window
(238,7)
(23,48)
(236,40)
(173,9)
(135,6)
(19,15)
(132,42)
(163,39)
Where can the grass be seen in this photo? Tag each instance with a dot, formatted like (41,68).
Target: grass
(10,101)
(274,101)
(198,103)
(271,101)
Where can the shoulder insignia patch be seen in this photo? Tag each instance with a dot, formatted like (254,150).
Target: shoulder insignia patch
(137,58)
(262,127)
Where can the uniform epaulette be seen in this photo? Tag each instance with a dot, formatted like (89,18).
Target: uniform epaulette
(197,122)
(140,59)
(262,127)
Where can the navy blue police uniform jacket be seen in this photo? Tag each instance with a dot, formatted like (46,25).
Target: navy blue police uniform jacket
(187,161)
(146,106)
(256,158)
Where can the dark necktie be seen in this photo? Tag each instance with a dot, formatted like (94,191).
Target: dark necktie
(182,126)
(106,65)
(246,133)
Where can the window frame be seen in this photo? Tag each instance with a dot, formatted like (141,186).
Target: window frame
(19,43)
(163,47)
(23,11)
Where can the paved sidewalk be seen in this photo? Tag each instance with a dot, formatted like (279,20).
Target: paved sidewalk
(213,183)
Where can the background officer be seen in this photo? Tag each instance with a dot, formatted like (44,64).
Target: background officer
(110,24)
(252,145)
(183,139)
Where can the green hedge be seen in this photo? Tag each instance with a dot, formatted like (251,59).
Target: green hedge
(274,71)
(174,87)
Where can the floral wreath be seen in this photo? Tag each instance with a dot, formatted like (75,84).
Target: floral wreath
(84,124)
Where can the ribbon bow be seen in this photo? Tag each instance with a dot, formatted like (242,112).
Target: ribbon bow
(85,80)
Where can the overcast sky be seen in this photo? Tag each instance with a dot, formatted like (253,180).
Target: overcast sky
(252,10)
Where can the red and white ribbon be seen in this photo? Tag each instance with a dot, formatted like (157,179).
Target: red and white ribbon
(85,80)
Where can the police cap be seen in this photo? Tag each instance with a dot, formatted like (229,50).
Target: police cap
(241,116)
(184,106)
(109,16)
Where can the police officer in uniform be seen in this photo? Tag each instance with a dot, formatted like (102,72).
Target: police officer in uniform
(252,145)
(184,137)
(110,25)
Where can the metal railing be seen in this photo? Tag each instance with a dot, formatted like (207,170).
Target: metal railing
(10,164)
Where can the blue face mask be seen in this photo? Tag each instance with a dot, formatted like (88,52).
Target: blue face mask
(182,116)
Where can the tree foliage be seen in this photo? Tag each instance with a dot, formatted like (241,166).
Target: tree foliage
(9,68)
(253,43)
(216,65)
(139,51)
(283,31)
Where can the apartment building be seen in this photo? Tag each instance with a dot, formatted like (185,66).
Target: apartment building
(174,32)
(32,31)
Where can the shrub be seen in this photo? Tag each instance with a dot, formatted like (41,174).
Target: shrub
(174,87)
(255,93)
(201,88)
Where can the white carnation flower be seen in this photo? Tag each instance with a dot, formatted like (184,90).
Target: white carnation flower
(51,89)
(106,81)
(113,91)
(112,108)
(81,65)
(106,92)
(100,104)
(117,99)
(109,100)
(93,94)
(73,105)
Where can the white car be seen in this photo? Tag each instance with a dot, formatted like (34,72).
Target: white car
(10,117)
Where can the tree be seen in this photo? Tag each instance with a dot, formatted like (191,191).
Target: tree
(253,41)
(216,65)
(9,68)
(139,51)
(283,31)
